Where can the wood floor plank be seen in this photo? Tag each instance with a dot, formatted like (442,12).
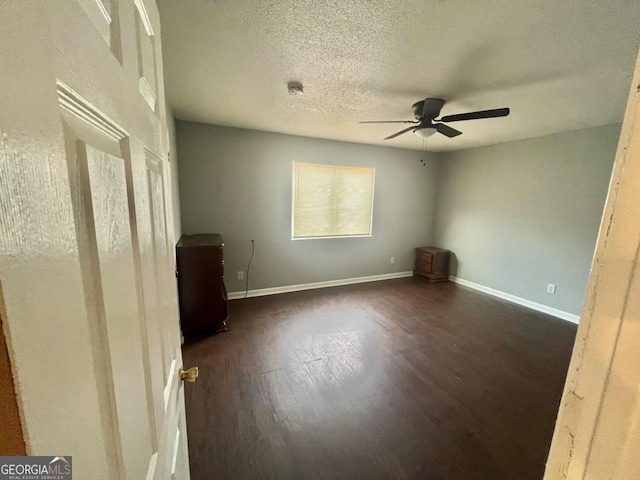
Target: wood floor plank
(401,379)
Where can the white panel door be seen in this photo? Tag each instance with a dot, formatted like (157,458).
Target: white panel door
(87,291)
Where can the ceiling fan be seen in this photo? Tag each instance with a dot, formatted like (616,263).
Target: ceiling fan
(425,111)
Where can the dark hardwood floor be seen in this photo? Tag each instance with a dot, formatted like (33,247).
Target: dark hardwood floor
(402,379)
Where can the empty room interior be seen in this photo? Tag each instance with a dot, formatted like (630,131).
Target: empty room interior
(319,239)
(401,377)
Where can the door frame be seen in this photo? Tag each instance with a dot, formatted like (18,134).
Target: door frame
(598,422)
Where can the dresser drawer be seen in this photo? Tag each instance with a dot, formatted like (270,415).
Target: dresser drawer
(424,257)
(425,267)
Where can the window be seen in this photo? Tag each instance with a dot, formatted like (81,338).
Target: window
(330,201)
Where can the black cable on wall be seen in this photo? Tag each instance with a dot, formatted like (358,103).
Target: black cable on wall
(253,251)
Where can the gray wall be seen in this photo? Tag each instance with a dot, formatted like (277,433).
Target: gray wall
(238,183)
(523,214)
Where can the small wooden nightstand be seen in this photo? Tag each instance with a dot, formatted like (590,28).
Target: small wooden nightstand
(433,263)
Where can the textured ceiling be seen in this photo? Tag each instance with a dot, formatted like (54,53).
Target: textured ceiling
(558,64)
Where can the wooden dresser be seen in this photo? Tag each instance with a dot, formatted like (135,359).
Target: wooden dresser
(201,290)
(433,263)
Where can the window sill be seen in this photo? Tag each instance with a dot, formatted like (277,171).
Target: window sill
(337,236)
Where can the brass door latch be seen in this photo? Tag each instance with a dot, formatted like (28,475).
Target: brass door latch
(190,375)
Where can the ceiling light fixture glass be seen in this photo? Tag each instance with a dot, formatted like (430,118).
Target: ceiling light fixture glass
(425,132)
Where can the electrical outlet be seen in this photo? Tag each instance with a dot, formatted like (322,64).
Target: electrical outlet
(393,260)
(240,275)
(551,288)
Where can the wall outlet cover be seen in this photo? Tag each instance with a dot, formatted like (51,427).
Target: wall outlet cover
(240,275)
(393,260)
(551,288)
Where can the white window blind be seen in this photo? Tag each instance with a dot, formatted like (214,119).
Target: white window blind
(330,201)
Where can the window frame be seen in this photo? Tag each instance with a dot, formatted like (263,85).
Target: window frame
(322,237)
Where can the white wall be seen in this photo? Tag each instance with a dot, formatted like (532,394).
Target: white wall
(523,214)
(238,183)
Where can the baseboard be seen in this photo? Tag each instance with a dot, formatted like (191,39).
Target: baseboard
(310,286)
(520,301)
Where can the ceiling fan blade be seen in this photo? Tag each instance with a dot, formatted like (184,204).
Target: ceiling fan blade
(389,121)
(432,107)
(397,134)
(498,112)
(447,131)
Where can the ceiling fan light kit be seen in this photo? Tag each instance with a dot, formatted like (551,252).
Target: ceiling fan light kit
(426,124)
(425,132)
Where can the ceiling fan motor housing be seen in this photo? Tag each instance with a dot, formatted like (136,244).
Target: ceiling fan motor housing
(417,109)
